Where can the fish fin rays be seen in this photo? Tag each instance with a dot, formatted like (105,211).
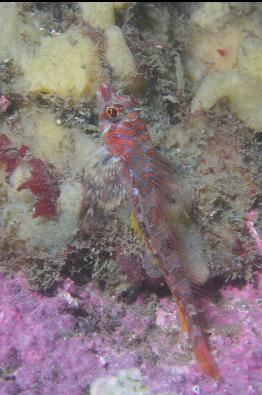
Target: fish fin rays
(104,185)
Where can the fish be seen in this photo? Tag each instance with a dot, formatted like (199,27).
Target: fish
(134,172)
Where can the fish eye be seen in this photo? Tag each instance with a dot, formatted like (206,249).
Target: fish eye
(113,112)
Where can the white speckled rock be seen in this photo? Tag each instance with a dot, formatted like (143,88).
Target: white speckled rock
(127,382)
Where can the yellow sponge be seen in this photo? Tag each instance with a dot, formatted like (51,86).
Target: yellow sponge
(65,65)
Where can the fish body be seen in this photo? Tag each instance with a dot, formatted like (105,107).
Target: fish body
(148,187)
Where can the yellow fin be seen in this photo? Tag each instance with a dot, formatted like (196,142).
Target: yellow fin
(182,318)
(139,233)
(136,227)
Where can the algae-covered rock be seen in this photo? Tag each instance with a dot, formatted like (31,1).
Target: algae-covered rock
(64,65)
(212,51)
(210,15)
(86,154)
(216,86)
(218,31)
(119,55)
(39,233)
(242,87)
(49,141)
(102,14)
(40,207)
(16,32)
(98,14)
(121,5)
(244,93)
(9,27)
(250,57)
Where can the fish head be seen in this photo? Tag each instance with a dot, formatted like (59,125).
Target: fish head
(116,111)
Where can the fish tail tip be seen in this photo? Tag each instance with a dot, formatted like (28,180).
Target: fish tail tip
(206,361)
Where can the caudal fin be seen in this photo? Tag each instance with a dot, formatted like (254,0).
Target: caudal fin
(200,348)
(204,357)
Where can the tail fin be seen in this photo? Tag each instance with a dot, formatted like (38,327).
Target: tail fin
(204,356)
(199,344)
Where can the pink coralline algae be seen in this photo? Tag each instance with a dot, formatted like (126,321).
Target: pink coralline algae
(44,183)
(61,344)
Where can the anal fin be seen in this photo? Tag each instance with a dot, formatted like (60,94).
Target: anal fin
(182,318)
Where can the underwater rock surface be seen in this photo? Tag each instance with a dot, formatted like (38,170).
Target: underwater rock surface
(47,104)
(65,343)
(105,325)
